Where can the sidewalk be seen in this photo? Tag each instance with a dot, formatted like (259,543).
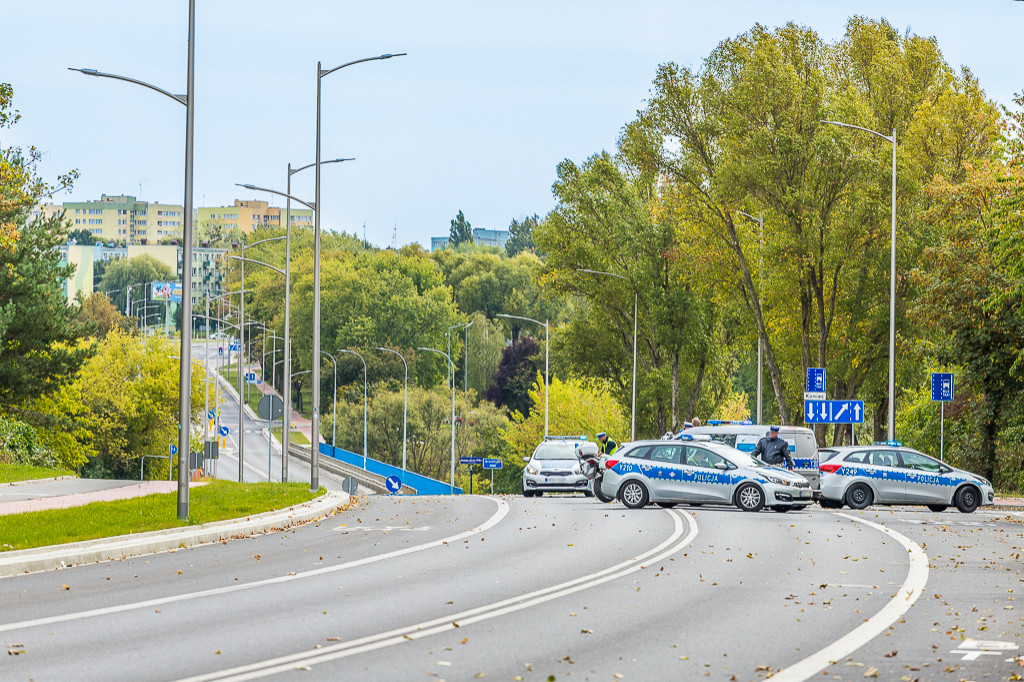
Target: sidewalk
(1009,502)
(302,425)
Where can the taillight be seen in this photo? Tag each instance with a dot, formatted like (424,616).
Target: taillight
(830,468)
(610,464)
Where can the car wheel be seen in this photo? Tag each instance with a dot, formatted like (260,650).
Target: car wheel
(666,505)
(781,510)
(587,493)
(800,507)
(538,493)
(527,493)
(634,495)
(830,504)
(967,499)
(938,507)
(859,496)
(695,504)
(599,494)
(750,498)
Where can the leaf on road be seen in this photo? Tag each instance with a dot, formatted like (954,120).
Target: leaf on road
(871,672)
(587,631)
(464,640)
(890,654)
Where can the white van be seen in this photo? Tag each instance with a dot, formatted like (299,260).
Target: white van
(743,435)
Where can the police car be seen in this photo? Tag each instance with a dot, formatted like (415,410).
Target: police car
(888,473)
(743,435)
(555,467)
(693,469)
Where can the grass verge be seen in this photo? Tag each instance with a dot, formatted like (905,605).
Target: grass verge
(215,501)
(9,473)
(298,438)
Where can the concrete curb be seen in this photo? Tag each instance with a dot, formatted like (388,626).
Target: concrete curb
(35,480)
(115,548)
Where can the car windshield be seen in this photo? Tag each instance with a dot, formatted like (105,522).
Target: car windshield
(743,459)
(555,452)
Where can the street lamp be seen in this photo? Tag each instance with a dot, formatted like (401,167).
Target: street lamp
(760,227)
(636,300)
(314,464)
(892,273)
(452,366)
(320,74)
(352,352)
(405,406)
(185,364)
(547,345)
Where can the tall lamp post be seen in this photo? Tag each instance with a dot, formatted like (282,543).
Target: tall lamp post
(547,345)
(636,301)
(320,74)
(452,370)
(405,406)
(314,464)
(760,227)
(892,273)
(352,352)
(185,364)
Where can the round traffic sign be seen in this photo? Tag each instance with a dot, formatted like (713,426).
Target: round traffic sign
(393,484)
(350,485)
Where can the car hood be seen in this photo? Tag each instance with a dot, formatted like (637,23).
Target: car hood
(783,473)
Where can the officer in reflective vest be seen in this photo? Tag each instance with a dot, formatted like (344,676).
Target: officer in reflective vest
(606,445)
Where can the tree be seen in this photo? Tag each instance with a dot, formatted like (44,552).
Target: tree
(82,236)
(140,270)
(99,314)
(520,235)
(461,231)
(510,385)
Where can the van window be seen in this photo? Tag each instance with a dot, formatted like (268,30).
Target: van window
(745,442)
(725,439)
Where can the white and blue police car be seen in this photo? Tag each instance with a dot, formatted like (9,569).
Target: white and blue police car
(889,473)
(743,435)
(696,470)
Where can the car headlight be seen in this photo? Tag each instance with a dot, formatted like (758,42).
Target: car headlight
(983,481)
(531,470)
(778,480)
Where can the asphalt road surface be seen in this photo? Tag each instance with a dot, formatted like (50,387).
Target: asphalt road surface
(555,588)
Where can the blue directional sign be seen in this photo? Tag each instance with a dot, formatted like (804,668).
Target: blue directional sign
(210,415)
(250,377)
(834,412)
(815,379)
(223,430)
(942,386)
(393,484)
(174,450)
(471,460)
(492,463)
(220,350)
(234,346)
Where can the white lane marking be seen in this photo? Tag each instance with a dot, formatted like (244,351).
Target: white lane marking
(382,529)
(913,586)
(972,649)
(382,640)
(498,515)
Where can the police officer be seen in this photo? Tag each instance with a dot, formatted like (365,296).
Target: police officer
(773,450)
(606,445)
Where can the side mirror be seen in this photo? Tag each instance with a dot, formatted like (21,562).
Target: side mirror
(526,459)
(721,466)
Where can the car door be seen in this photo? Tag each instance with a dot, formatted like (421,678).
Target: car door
(887,475)
(924,479)
(706,482)
(664,473)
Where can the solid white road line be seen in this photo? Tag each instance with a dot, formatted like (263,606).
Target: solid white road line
(913,586)
(382,640)
(498,515)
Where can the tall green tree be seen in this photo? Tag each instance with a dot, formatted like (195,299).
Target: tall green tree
(520,235)
(124,272)
(461,231)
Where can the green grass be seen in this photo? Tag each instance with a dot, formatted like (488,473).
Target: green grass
(10,473)
(231,374)
(298,438)
(215,501)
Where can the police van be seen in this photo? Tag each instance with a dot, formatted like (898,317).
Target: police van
(743,435)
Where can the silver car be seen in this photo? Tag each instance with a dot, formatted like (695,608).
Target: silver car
(555,467)
(697,471)
(888,473)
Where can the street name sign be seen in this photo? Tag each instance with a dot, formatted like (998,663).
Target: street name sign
(492,463)
(471,460)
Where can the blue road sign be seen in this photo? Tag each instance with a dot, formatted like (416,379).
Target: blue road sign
(942,386)
(250,377)
(815,379)
(492,463)
(834,412)
(223,430)
(471,460)
(234,346)
(174,450)
(220,350)
(210,415)
(393,484)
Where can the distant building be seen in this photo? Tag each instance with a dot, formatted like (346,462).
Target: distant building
(124,219)
(247,215)
(481,237)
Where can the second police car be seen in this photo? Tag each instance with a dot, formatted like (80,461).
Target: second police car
(695,470)
(888,473)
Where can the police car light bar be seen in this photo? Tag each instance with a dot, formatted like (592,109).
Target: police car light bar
(693,437)
(889,443)
(582,437)
(726,422)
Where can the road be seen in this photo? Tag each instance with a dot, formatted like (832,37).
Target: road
(256,452)
(510,588)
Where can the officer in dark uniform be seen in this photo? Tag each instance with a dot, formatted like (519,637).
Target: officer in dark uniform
(773,450)
(606,445)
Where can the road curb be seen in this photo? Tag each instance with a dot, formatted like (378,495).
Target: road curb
(35,480)
(112,549)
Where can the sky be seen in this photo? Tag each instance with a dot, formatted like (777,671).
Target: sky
(491,97)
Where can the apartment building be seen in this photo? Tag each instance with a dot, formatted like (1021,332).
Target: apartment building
(249,214)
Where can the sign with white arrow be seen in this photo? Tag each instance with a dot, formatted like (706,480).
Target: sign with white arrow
(834,412)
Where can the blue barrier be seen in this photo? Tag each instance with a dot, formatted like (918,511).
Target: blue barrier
(421,484)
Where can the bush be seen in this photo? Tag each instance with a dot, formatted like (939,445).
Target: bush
(19,444)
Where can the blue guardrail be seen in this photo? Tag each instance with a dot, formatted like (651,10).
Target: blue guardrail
(421,484)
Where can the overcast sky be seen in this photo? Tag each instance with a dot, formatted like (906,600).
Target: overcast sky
(491,97)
